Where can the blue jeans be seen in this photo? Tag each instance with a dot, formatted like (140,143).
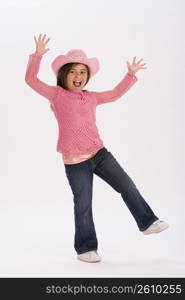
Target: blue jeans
(80,177)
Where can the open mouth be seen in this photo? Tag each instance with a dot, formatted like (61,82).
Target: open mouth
(77,83)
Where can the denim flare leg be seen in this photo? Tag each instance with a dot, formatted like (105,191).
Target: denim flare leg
(80,178)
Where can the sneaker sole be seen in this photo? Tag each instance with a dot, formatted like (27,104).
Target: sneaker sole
(93,261)
(157,231)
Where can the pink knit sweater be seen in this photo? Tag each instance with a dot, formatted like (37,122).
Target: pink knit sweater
(75,110)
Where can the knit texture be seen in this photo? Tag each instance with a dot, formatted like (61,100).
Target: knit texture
(75,110)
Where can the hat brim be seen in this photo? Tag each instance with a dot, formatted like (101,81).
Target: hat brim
(61,60)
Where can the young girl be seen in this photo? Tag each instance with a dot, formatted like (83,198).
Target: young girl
(82,149)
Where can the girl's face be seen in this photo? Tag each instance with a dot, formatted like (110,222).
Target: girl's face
(77,77)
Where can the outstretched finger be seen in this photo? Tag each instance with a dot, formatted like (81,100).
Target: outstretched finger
(142,64)
(35,39)
(134,60)
(46,41)
(43,37)
(39,37)
(139,60)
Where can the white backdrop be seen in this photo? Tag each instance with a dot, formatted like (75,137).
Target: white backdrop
(144,130)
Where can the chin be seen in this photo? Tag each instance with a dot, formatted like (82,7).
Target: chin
(77,88)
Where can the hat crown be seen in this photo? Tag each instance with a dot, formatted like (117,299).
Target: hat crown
(76,54)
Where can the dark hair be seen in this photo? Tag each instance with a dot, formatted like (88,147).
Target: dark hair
(62,75)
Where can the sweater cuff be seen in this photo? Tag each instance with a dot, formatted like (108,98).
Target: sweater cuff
(37,54)
(131,74)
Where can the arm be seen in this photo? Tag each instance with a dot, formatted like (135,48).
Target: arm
(31,79)
(118,91)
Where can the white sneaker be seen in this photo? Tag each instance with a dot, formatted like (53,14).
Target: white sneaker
(90,256)
(156,227)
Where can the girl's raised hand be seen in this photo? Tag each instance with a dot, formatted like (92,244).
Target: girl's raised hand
(41,44)
(134,67)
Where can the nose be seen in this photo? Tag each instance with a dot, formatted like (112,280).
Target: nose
(77,76)
(78,73)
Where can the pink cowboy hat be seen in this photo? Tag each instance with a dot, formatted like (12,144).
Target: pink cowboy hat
(76,56)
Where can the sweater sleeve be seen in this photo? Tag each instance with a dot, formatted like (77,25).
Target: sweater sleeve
(118,91)
(32,80)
